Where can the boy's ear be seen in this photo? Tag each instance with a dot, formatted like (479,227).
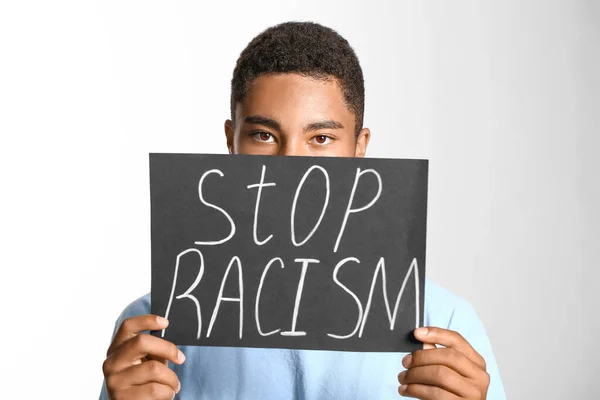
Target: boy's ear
(229,132)
(362,142)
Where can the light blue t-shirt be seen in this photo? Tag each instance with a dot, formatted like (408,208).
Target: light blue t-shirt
(251,373)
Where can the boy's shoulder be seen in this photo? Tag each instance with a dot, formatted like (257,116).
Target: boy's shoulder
(444,308)
(139,306)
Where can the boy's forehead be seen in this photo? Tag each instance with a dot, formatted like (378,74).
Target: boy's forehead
(285,94)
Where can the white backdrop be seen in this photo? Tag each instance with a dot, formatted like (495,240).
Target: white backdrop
(502,98)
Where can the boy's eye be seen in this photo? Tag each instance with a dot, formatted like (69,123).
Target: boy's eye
(322,139)
(263,136)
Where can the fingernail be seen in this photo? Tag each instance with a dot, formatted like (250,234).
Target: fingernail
(401,376)
(163,321)
(178,387)
(421,331)
(402,389)
(407,360)
(180,356)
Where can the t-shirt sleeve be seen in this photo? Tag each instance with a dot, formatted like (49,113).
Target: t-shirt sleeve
(466,321)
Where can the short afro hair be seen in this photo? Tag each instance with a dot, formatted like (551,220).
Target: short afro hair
(305,48)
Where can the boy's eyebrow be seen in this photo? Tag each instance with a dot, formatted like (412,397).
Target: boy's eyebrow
(326,124)
(273,124)
(262,120)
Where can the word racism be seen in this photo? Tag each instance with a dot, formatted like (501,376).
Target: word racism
(288,252)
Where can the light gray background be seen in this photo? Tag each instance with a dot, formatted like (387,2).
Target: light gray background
(501,96)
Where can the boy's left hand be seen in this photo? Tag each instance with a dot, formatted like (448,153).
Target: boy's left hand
(454,372)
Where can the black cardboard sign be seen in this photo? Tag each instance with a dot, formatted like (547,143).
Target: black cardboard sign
(289,252)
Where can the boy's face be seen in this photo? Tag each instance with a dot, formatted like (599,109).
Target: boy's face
(292,115)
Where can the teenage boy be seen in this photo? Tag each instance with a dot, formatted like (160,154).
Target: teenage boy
(298,90)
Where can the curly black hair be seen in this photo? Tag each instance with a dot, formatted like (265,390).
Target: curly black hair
(305,48)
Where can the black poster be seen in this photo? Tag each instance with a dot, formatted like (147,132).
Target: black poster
(289,252)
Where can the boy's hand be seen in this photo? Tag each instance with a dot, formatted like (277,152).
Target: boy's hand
(454,372)
(136,366)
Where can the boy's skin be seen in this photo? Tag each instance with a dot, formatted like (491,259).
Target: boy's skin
(293,115)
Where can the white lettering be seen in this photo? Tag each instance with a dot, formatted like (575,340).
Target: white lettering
(201,196)
(220,298)
(349,209)
(258,195)
(351,293)
(187,292)
(305,262)
(392,317)
(293,216)
(260,286)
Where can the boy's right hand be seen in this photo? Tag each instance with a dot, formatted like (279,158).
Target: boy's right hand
(136,366)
